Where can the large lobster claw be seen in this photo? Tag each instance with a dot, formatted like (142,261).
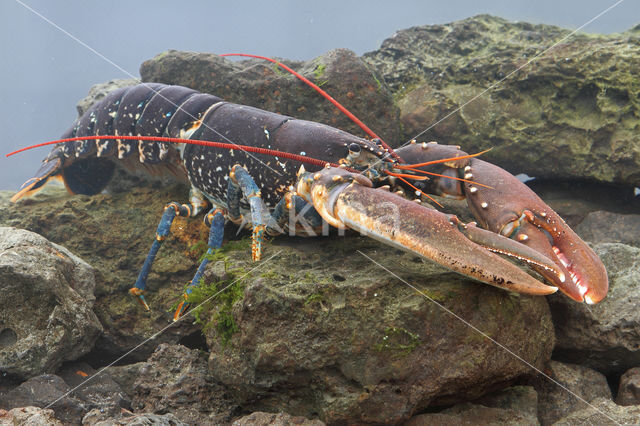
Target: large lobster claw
(504,205)
(513,210)
(346,199)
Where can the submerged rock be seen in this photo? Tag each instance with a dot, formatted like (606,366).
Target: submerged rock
(97,418)
(602,411)
(629,389)
(46,314)
(47,391)
(512,406)
(113,233)
(321,330)
(28,416)
(607,227)
(273,419)
(175,379)
(606,336)
(261,84)
(574,387)
(571,113)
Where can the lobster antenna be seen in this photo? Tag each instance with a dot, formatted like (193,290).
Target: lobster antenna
(222,145)
(418,191)
(414,177)
(443,160)
(327,96)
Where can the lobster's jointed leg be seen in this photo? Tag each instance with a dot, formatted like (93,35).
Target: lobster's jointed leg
(215,221)
(171,210)
(300,217)
(242,184)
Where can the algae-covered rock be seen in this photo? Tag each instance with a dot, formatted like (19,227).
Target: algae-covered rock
(264,85)
(321,330)
(550,103)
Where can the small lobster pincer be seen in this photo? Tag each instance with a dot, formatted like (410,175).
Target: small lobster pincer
(274,175)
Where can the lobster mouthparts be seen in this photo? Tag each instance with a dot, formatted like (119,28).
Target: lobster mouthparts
(513,210)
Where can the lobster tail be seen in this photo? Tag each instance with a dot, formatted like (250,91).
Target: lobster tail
(87,166)
(87,176)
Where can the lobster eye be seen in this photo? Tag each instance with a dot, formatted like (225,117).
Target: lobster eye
(354,148)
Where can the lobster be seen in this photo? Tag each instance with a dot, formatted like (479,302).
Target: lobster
(288,168)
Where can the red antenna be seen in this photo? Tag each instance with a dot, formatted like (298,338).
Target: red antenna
(223,145)
(328,97)
(256,150)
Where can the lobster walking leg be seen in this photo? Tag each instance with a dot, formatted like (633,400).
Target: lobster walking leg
(301,218)
(171,210)
(241,183)
(215,221)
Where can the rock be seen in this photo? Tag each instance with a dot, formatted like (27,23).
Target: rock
(47,391)
(262,84)
(574,201)
(606,336)
(606,227)
(28,416)
(175,379)
(100,90)
(569,114)
(113,233)
(97,418)
(271,419)
(516,405)
(321,331)
(560,398)
(523,399)
(629,389)
(470,414)
(67,398)
(126,375)
(95,391)
(46,312)
(602,411)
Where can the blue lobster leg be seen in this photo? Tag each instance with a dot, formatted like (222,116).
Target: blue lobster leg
(294,212)
(215,221)
(242,184)
(171,210)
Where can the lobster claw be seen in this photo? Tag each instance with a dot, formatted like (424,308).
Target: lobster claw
(346,199)
(510,208)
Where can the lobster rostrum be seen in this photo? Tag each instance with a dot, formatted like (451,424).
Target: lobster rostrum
(275,175)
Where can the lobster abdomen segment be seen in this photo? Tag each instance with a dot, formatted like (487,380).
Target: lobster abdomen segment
(208,169)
